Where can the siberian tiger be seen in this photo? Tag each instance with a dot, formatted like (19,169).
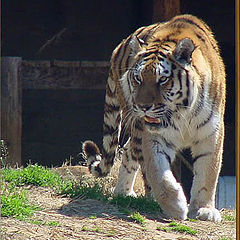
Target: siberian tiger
(165,92)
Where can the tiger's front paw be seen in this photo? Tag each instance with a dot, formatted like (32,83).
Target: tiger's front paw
(206,214)
(93,157)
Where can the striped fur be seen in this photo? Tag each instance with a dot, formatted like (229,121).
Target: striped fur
(165,92)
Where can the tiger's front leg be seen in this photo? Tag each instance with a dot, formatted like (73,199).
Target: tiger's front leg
(158,156)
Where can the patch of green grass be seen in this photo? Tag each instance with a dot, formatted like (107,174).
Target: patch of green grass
(165,229)
(52,224)
(75,190)
(176,227)
(225,238)
(93,217)
(32,174)
(14,202)
(137,217)
(192,220)
(36,222)
(42,223)
(87,229)
(229,218)
(141,204)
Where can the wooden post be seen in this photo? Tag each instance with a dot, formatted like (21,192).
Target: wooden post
(11,108)
(163,10)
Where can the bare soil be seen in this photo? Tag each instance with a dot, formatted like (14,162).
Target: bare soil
(64,218)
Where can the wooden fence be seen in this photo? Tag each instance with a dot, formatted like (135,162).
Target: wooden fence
(18,75)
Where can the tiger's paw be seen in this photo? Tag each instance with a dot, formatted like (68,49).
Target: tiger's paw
(206,214)
(124,192)
(93,157)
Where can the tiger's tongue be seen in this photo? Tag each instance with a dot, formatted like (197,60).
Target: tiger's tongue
(151,120)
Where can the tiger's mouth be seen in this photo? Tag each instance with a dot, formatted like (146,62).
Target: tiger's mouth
(152,120)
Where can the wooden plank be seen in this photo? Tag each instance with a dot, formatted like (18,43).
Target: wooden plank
(163,10)
(65,74)
(11,108)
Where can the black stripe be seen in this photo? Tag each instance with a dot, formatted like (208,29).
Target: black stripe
(108,130)
(109,92)
(109,157)
(200,155)
(200,102)
(116,56)
(207,120)
(160,59)
(138,126)
(200,37)
(123,51)
(167,157)
(187,84)
(162,54)
(164,48)
(191,22)
(172,124)
(180,94)
(134,158)
(137,140)
(180,79)
(168,144)
(99,170)
(137,150)
(198,26)
(111,108)
(143,28)
(149,30)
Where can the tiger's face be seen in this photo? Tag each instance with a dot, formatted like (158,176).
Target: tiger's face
(162,83)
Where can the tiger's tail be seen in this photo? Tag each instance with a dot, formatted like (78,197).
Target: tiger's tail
(100,163)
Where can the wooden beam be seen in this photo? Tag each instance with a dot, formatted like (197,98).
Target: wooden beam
(163,10)
(11,108)
(65,74)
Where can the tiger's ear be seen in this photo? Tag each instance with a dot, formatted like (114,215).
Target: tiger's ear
(136,44)
(183,51)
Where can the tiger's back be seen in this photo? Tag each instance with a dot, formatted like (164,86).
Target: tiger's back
(165,92)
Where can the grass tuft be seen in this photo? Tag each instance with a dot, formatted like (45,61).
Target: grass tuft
(32,174)
(138,218)
(231,218)
(142,204)
(176,227)
(14,202)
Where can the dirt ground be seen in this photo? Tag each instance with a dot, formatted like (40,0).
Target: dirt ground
(62,218)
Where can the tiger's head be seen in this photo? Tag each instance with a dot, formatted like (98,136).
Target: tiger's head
(162,80)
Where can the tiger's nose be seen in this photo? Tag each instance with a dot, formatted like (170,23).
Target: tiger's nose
(145,107)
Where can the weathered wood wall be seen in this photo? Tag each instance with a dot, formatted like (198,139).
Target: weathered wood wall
(163,10)
(64,74)
(11,107)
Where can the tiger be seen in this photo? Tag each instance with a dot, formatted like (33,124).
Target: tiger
(165,92)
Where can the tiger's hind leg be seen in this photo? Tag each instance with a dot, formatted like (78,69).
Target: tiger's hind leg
(207,155)
(127,174)
(100,163)
(132,158)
